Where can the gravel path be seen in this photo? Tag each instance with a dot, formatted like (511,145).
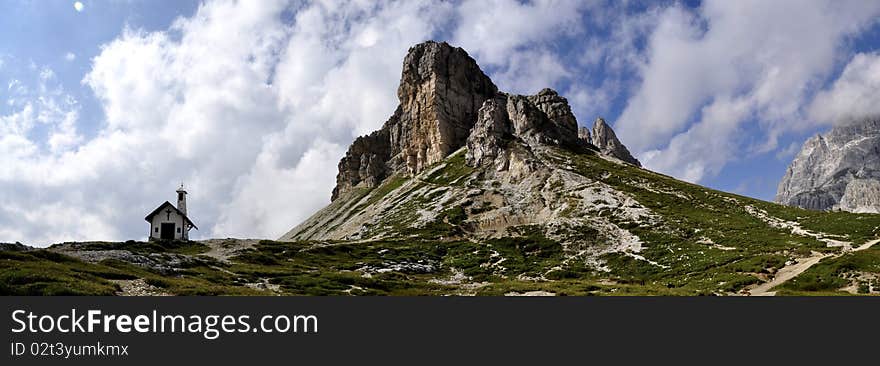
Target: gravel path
(793,270)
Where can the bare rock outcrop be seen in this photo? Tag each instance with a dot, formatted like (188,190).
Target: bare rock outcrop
(836,170)
(365,161)
(441,89)
(534,120)
(606,140)
(490,134)
(461,151)
(584,135)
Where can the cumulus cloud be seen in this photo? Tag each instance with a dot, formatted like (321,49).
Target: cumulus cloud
(516,38)
(855,94)
(493,29)
(765,56)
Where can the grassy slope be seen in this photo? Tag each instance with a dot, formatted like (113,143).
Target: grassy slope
(44,272)
(721,217)
(691,214)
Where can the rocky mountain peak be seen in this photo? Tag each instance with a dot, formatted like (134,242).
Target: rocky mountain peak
(447,102)
(441,89)
(606,140)
(836,170)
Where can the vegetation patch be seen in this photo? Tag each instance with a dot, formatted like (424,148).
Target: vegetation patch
(453,173)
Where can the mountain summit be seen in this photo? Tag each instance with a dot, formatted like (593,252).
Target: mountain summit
(452,117)
(442,94)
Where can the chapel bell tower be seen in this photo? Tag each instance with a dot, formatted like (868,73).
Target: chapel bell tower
(181,199)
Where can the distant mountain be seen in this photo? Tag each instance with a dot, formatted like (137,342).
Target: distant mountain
(836,170)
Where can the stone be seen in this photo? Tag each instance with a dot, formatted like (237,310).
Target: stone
(516,165)
(861,195)
(14,247)
(556,108)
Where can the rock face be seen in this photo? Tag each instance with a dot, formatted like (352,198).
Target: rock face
(441,89)
(443,93)
(606,140)
(584,134)
(836,170)
(535,120)
(456,141)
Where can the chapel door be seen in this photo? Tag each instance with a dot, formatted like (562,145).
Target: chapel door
(166,231)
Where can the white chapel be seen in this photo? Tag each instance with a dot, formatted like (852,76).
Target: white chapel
(171,223)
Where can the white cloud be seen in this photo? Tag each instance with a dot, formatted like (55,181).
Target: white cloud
(492,29)
(704,148)
(250,112)
(529,71)
(855,94)
(70,56)
(767,56)
(514,37)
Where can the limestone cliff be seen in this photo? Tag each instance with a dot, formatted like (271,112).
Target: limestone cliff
(455,141)
(836,170)
(441,89)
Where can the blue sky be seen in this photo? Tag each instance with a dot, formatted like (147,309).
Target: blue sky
(251,104)
(43,33)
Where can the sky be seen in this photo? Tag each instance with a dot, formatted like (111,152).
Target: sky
(108,106)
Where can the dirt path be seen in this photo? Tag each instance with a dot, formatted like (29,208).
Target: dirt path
(786,273)
(793,270)
(223,249)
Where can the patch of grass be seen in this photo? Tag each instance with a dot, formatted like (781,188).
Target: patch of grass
(453,173)
(199,280)
(692,213)
(157,246)
(448,223)
(47,273)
